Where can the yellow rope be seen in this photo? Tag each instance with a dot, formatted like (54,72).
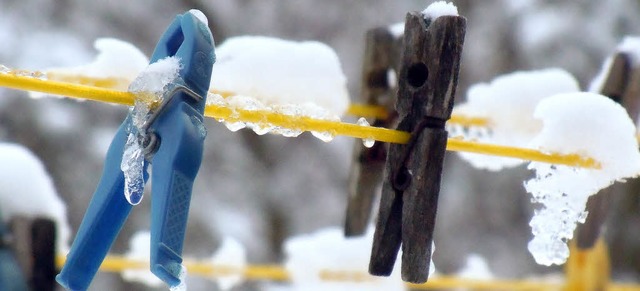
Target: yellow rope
(364,110)
(380,112)
(107,83)
(66,89)
(278,273)
(293,122)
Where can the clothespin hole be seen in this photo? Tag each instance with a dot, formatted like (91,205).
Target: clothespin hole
(402,179)
(175,42)
(417,74)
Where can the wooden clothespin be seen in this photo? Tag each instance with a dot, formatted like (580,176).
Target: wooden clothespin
(381,59)
(623,86)
(426,90)
(34,244)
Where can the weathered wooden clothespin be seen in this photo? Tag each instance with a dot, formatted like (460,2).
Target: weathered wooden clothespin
(381,59)
(34,244)
(622,85)
(426,89)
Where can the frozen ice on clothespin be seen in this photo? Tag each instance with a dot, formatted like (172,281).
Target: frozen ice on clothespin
(426,89)
(381,57)
(171,137)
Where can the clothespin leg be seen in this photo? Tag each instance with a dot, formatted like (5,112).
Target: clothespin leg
(421,204)
(176,162)
(388,233)
(102,222)
(362,189)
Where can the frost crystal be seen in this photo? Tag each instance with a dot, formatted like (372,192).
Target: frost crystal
(149,87)
(591,125)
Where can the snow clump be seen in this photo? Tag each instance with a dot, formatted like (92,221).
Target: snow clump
(507,103)
(440,8)
(281,72)
(27,189)
(116,59)
(312,259)
(590,125)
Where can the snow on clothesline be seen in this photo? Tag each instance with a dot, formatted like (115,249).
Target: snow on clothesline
(585,123)
(545,110)
(508,103)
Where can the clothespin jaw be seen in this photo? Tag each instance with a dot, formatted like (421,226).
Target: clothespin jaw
(175,147)
(381,58)
(426,91)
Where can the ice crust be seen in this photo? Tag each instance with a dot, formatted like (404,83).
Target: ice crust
(250,103)
(508,103)
(576,123)
(328,249)
(280,72)
(149,87)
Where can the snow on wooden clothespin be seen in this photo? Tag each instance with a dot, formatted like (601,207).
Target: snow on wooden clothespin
(621,84)
(426,89)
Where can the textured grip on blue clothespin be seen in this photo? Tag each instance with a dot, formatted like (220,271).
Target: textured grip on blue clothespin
(179,135)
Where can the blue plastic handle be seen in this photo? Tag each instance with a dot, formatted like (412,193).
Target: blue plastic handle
(178,159)
(176,164)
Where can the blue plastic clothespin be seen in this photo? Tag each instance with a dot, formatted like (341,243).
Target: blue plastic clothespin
(175,150)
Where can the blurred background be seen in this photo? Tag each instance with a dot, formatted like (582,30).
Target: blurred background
(263,189)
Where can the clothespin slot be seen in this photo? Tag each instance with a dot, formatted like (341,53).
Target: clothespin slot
(426,90)
(381,61)
(172,139)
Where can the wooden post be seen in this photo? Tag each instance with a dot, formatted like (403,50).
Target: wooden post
(426,90)
(382,52)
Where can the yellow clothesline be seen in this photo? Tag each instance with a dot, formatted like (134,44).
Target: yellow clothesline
(278,273)
(27,83)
